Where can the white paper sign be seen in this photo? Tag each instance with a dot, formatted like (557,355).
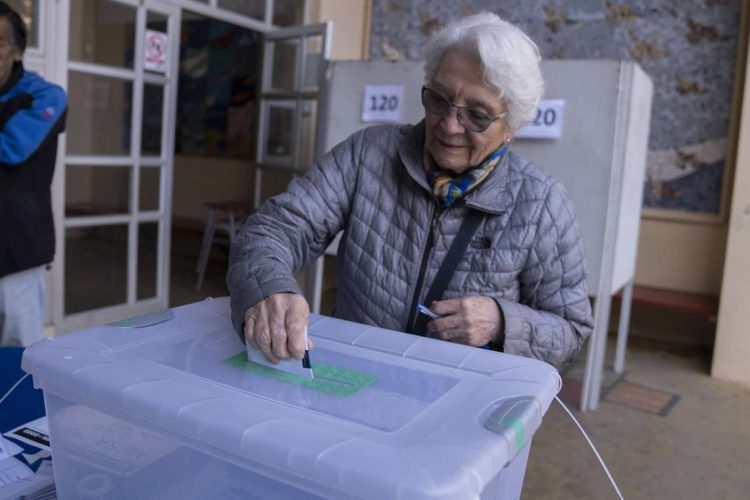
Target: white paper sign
(382,103)
(547,122)
(155,51)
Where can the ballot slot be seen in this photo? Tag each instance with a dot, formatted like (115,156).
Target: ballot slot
(371,392)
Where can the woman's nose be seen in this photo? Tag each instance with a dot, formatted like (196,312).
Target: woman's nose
(451,123)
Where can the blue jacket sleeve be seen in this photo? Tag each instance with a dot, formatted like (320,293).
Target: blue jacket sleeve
(29,126)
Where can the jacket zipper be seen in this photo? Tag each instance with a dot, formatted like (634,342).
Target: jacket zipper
(422,269)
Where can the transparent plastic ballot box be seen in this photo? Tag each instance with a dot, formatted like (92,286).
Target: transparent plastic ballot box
(167,406)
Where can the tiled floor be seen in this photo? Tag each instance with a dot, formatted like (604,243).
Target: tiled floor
(185,249)
(699,448)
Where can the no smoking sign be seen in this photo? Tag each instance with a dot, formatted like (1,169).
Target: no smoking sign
(155,51)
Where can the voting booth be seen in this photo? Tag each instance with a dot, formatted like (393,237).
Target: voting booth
(167,406)
(590,132)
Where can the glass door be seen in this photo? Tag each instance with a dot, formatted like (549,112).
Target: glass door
(293,60)
(121,81)
(290,140)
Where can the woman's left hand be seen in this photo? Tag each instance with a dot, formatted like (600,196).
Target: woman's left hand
(472,321)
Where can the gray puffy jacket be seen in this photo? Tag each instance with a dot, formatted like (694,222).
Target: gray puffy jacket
(527,254)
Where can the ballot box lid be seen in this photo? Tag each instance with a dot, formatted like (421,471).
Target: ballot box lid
(396,414)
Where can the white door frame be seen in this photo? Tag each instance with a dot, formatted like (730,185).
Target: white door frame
(41,58)
(135,160)
(295,99)
(54,39)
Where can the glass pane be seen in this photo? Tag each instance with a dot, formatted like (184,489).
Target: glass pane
(93,190)
(280,125)
(284,68)
(275,181)
(156,21)
(149,191)
(307,137)
(101,122)
(253,8)
(153,107)
(96,262)
(102,32)
(148,242)
(313,61)
(217,97)
(29,12)
(288,12)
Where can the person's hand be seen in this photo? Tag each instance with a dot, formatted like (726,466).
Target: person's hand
(474,321)
(276,326)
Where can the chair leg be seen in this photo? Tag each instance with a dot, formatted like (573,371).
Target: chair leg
(208,238)
(203,260)
(205,242)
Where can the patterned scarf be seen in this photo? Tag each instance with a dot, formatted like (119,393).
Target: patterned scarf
(449,189)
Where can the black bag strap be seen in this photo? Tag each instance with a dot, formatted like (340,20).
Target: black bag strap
(468,227)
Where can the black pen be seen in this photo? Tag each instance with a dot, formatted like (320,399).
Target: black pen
(306,358)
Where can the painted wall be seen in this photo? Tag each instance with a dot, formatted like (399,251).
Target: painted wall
(688,47)
(351,20)
(681,256)
(199,179)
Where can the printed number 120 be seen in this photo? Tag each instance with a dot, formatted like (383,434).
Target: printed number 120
(545,117)
(383,103)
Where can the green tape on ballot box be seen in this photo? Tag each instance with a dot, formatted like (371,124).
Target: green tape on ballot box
(328,378)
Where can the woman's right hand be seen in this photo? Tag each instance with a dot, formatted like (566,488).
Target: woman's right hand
(276,326)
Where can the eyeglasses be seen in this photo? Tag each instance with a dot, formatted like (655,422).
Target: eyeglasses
(472,119)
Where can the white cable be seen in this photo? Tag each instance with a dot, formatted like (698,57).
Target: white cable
(596,452)
(10,391)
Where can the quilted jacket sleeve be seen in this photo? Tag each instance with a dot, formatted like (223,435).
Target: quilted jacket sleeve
(291,230)
(553,316)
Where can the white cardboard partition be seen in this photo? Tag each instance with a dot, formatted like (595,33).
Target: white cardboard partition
(600,158)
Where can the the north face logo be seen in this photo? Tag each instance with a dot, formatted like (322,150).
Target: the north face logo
(480,242)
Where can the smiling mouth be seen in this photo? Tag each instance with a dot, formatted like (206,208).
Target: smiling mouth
(450,146)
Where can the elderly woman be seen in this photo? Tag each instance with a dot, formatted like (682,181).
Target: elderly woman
(402,194)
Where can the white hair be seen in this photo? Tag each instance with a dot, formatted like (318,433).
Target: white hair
(509,59)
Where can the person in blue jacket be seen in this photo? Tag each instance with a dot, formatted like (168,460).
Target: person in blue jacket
(32,115)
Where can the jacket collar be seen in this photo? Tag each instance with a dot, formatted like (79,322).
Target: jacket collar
(15,75)
(493,195)
(411,153)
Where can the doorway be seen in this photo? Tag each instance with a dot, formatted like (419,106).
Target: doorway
(113,239)
(246,126)
(137,170)
(215,136)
